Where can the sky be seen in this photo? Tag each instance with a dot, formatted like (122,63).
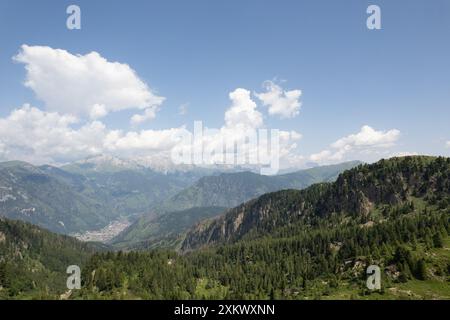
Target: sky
(139,73)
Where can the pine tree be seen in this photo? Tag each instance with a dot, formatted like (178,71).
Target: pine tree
(437,240)
(421,272)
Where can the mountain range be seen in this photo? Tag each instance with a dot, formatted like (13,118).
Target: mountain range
(314,243)
(89,196)
(85,196)
(210,193)
(358,193)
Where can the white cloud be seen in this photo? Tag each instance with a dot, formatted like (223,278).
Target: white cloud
(98,111)
(321,156)
(364,142)
(147,115)
(286,104)
(30,134)
(37,136)
(242,113)
(80,89)
(368,137)
(144,141)
(448,144)
(242,119)
(84,85)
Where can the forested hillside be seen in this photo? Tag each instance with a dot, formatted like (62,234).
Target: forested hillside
(315,243)
(357,193)
(33,261)
(309,244)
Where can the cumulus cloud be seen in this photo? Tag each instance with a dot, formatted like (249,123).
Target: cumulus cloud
(363,142)
(368,137)
(147,115)
(285,104)
(242,112)
(37,136)
(30,134)
(78,90)
(98,111)
(144,141)
(33,135)
(240,138)
(321,156)
(85,85)
(244,126)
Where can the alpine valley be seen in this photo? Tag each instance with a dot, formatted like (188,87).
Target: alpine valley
(211,233)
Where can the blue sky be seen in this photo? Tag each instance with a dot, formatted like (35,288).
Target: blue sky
(197,52)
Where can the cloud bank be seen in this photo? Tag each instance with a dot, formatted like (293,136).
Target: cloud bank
(37,136)
(79,90)
(30,134)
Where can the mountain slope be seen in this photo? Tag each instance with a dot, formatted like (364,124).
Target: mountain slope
(53,201)
(311,244)
(84,196)
(132,188)
(224,190)
(231,189)
(33,261)
(356,192)
(165,231)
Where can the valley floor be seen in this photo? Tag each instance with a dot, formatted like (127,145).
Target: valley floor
(105,234)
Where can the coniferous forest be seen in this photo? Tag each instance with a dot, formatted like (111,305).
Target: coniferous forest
(314,243)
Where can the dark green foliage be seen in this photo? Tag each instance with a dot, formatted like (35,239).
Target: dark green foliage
(437,240)
(286,244)
(33,261)
(289,244)
(155,275)
(421,272)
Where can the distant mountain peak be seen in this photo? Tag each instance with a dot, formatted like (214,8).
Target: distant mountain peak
(105,162)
